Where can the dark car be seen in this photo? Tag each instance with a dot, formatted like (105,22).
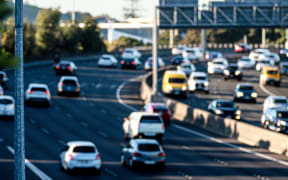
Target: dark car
(284,68)
(56,60)
(225,108)
(66,68)
(177,60)
(146,152)
(233,71)
(160,108)
(132,63)
(245,92)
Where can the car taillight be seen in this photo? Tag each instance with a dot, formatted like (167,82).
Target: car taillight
(30,92)
(171,60)
(46,92)
(57,67)
(137,154)
(71,157)
(69,68)
(61,84)
(98,157)
(163,126)
(122,62)
(162,154)
(133,63)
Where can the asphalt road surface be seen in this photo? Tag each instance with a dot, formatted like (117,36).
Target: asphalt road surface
(97,116)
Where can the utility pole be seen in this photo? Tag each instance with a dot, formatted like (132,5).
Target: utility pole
(155,51)
(204,43)
(73,15)
(19,155)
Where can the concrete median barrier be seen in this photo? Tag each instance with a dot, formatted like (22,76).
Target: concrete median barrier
(241,131)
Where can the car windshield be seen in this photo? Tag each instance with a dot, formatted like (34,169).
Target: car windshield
(150,119)
(186,67)
(148,147)
(233,68)
(6,101)
(190,51)
(38,89)
(129,51)
(272,72)
(128,60)
(106,58)
(69,82)
(244,60)
(282,115)
(159,108)
(64,64)
(246,88)
(177,80)
(203,78)
(225,104)
(265,62)
(280,101)
(84,149)
(218,62)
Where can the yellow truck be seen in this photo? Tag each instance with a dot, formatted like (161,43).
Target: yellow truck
(175,83)
(270,75)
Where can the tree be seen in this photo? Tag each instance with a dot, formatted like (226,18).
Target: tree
(71,38)
(8,38)
(131,11)
(91,41)
(47,31)
(192,36)
(29,39)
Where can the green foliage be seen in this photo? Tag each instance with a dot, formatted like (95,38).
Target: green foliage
(8,36)
(90,40)
(7,60)
(71,39)
(29,39)
(4,9)
(47,31)
(192,36)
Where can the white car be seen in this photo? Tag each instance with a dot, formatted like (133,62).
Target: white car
(275,102)
(186,68)
(107,60)
(190,53)
(198,81)
(3,79)
(262,63)
(149,63)
(38,93)
(178,50)
(130,53)
(68,85)
(245,63)
(274,57)
(80,154)
(143,124)
(7,106)
(217,66)
(258,54)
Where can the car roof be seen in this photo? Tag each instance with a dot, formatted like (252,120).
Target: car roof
(219,59)
(283,63)
(80,143)
(7,97)
(69,78)
(129,49)
(199,74)
(143,141)
(148,114)
(157,104)
(38,85)
(244,57)
(175,72)
(244,84)
(2,72)
(65,62)
(269,68)
(235,65)
(278,97)
(106,55)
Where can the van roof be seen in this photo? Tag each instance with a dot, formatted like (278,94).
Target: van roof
(175,72)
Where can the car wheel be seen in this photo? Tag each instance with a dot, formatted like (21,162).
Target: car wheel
(162,166)
(265,125)
(123,163)
(47,104)
(126,137)
(61,166)
(98,171)
(207,92)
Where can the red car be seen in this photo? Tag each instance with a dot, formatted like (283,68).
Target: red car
(242,48)
(160,108)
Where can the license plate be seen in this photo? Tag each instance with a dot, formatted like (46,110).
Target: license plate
(229,116)
(177,93)
(84,161)
(149,162)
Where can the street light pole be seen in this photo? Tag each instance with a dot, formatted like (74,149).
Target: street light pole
(155,52)
(19,149)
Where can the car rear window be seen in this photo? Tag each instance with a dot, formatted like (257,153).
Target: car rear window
(245,60)
(158,109)
(200,78)
(280,101)
(247,88)
(190,51)
(64,64)
(283,115)
(106,58)
(128,60)
(129,51)
(218,62)
(272,72)
(6,101)
(84,149)
(70,82)
(148,147)
(150,119)
(225,104)
(38,89)
(186,66)
(177,80)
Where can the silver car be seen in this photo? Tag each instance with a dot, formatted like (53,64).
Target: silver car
(275,119)
(143,152)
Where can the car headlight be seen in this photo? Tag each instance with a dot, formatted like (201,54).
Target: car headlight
(206,83)
(222,67)
(283,123)
(218,111)
(238,112)
(240,94)
(237,73)
(77,89)
(169,88)
(226,72)
(254,95)
(184,88)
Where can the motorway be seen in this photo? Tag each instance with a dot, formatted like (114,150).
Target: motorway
(97,116)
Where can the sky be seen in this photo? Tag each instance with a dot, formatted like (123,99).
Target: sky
(114,8)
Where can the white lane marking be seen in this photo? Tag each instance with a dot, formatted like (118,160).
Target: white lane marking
(45,131)
(61,142)
(201,134)
(1,140)
(69,115)
(266,90)
(113,86)
(32,167)
(98,85)
(102,134)
(32,121)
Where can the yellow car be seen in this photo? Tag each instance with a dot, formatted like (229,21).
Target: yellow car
(270,75)
(175,83)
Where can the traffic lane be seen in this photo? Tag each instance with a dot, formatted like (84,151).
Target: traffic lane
(279,91)
(193,156)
